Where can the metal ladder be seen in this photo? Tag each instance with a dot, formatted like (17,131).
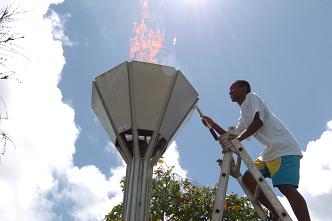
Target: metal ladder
(230,167)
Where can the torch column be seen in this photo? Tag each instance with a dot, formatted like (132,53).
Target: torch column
(142,106)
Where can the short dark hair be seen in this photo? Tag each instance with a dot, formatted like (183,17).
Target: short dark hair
(243,83)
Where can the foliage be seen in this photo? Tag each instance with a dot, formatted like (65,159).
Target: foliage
(239,209)
(115,214)
(177,199)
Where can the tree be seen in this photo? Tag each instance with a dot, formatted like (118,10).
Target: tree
(8,37)
(177,199)
(8,48)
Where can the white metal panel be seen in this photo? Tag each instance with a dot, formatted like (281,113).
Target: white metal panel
(181,102)
(151,85)
(100,111)
(114,89)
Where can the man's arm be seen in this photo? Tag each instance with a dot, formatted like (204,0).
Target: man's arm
(252,128)
(214,125)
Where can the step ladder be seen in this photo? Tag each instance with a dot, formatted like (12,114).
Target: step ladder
(228,166)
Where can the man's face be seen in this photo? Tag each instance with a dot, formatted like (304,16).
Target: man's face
(236,92)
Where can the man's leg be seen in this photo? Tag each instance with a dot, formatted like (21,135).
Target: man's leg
(251,183)
(296,201)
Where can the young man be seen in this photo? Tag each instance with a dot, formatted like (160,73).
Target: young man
(280,159)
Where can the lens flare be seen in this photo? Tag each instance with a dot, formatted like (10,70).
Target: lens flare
(174,41)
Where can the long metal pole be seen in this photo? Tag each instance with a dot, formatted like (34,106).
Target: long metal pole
(214,134)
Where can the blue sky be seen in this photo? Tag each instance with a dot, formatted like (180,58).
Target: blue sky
(283,48)
(270,44)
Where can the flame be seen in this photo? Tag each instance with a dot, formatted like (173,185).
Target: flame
(146,43)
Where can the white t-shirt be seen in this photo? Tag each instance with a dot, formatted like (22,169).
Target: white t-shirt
(275,137)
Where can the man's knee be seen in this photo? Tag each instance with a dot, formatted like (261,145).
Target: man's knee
(247,179)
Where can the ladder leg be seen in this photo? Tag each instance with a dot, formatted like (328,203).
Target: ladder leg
(218,208)
(261,182)
(255,203)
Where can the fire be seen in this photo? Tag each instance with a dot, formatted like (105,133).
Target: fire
(146,43)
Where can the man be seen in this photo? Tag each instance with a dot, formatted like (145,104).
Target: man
(280,159)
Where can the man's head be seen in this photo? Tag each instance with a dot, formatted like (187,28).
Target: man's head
(239,90)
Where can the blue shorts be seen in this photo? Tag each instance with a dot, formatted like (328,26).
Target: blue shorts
(282,170)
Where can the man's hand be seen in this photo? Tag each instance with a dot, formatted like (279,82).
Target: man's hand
(206,120)
(232,136)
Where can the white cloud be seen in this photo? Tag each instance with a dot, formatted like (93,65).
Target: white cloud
(172,158)
(39,176)
(58,28)
(92,193)
(315,179)
(110,148)
(41,126)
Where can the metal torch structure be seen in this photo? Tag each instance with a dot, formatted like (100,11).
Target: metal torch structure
(141,106)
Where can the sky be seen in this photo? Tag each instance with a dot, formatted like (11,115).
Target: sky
(63,166)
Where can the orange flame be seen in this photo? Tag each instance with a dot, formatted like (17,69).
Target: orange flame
(146,43)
